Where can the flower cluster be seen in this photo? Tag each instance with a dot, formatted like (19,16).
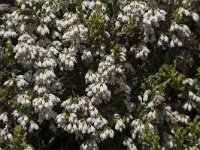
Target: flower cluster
(67,74)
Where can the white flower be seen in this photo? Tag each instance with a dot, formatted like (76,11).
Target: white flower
(29,147)
(9,135)
(143,52)
(23,6)
(188,81)
(185,106)
(33,126)
(171,144)
(119,125)
(145,98)
(9,83)
(43,29)
(189,107)
(15,113)
(4,117)
(195,17)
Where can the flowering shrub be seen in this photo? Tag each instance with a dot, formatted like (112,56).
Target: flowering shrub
(100,74)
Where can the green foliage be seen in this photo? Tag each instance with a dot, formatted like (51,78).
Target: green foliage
(19,139)
(3,94)
(150,139)
(155,81)
(97,27)
(186,137)
(18,142)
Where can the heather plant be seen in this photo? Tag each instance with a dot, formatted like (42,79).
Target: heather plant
(100,74)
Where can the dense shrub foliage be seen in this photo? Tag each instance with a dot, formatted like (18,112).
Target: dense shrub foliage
(100,74)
